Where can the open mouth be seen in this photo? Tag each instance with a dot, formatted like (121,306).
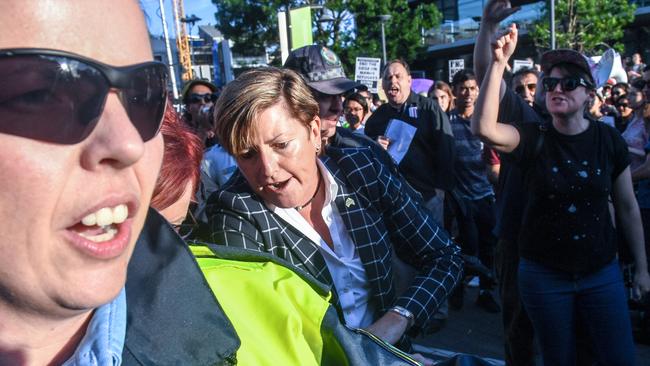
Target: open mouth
(276,186)
(101,225)
(102,234)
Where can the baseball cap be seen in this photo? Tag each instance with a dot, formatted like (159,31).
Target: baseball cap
(321,68)
(566,56)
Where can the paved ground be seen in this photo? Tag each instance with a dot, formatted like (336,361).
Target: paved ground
(474,331)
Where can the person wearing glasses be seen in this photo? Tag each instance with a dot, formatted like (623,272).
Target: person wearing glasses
(572,166)
(524,83)
(635,134)
(355,110)
(80,155)
(199,96)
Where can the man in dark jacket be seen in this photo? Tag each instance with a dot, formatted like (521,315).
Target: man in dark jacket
(418,136)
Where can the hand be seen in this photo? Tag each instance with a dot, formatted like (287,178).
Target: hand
(390,327)
(504,44)
(383,141)
(421,359)
(496,11)
(641,284)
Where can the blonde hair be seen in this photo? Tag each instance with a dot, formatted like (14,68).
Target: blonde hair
(253,92)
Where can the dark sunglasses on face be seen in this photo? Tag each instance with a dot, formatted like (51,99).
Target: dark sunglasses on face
(622,105)
(568,83)
(203,98)
(519,89)
(57,96)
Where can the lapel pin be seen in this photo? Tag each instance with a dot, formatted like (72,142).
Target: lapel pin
(349,202)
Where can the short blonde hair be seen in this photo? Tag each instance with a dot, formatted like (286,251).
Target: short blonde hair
(253,92)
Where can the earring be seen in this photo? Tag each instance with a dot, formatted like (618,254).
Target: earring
(317,148)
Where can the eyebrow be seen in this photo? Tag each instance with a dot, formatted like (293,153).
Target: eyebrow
(277,137)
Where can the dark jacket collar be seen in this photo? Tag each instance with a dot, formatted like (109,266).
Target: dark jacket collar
(172,315)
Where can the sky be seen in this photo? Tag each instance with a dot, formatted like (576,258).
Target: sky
(203,9)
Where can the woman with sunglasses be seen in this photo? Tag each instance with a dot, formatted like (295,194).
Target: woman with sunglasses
(636,132)
(80,152)
(568,265)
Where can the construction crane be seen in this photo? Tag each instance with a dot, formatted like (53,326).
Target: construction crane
(182,41)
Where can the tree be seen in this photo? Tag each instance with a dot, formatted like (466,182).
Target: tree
(585,25)
(252,25)
(354,31)
(403,30)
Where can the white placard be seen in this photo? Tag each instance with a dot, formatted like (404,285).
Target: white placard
(366,72)
(400,134)
(520,64)
(455,66)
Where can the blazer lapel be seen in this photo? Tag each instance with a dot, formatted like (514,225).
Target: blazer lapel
(353,208)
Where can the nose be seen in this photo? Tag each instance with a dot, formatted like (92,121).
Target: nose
(267,164)
(530,94)
(115,141)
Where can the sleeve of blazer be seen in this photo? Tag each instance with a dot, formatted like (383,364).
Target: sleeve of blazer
(230,229)
(420,242)
(230,222)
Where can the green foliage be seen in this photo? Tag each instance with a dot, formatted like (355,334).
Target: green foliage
(355,30)
(587,26)
(251,24)
(403,30)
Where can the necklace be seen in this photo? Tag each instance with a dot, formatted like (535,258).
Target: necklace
(298,208)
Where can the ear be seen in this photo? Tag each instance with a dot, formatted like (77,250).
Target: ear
(314,129)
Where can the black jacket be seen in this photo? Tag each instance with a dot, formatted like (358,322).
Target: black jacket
(428,163)
(172,315)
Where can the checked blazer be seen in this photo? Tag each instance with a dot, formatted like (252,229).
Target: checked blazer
(378,215)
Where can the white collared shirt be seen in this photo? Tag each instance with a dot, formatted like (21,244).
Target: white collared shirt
(343,261)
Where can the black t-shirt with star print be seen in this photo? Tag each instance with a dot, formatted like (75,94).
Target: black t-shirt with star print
(566,222)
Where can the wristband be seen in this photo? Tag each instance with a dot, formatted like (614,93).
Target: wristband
(405,313)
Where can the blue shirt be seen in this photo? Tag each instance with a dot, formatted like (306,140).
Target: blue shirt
(469,167)
(104,340)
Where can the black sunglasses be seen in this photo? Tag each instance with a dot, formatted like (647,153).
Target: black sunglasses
(568,83)
(203,98)
(519,89)
(57,96)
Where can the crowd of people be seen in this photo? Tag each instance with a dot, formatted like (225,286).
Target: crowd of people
(293,218)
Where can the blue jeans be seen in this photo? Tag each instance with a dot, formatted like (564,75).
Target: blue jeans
(553,300)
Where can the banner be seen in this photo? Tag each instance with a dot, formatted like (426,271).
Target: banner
(520,64)
(455,66)
(301,31)
(366,71)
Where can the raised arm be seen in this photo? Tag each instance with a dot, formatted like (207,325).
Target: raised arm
(501,137)
(494,13)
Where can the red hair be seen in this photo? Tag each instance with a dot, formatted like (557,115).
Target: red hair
(181,161)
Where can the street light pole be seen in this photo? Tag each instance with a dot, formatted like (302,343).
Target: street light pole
(552,26)
(383,19)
